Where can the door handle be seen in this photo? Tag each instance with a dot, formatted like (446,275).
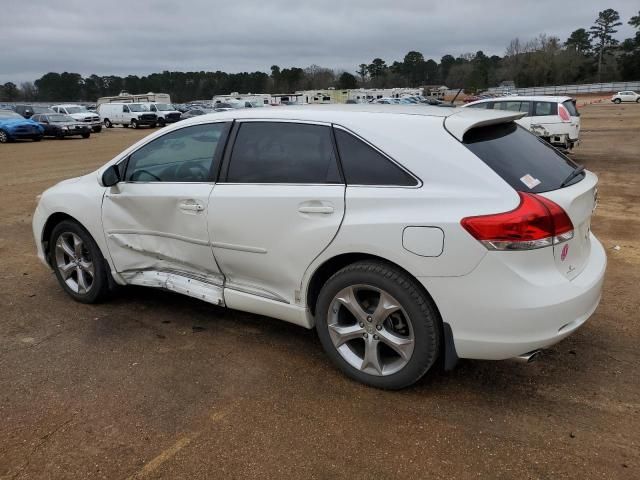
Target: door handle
(325,209)
(191,206)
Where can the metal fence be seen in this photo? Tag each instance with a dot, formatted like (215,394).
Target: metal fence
(572,89)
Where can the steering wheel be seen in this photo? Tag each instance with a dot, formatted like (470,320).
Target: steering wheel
(135,176)
(192,172)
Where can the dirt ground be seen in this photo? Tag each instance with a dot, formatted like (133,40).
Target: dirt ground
(154,385)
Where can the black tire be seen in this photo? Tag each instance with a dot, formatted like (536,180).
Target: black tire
(37,139)
(97,129)
(617,101)
(99,288)
(86,135)
(161,122)
(107,123)
(638,100)
(154,125)
(134,123)
(422,316)
(125,125)
(4,137)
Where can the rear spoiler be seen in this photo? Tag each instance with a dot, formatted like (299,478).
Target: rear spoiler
(467,118)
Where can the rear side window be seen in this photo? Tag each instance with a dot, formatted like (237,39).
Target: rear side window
(571,108)
(363,165)
(512,106)
(480,105)
(524,161)
(283,152)
(542,109)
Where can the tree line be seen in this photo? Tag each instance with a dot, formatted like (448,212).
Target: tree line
(590,54)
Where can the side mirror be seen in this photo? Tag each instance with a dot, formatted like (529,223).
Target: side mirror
(111,176)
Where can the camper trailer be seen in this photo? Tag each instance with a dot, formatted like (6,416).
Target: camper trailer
(126,97)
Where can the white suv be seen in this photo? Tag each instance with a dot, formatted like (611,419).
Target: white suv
(81,114)
(626,96)
(401,235)
(555,119)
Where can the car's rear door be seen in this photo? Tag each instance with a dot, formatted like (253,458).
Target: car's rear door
(278,204)
(155,219)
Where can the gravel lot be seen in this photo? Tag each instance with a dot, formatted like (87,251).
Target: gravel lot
(154,385)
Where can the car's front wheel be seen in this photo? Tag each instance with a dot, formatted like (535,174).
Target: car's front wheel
(78,263)
(134,123)
(107,123)
(4,137)
(97,129)
(377,325)
(617,100)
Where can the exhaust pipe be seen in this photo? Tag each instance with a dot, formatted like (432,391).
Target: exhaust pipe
(528,357)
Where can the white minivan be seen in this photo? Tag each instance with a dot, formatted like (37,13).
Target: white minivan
(554,119)
(166,113)
(127,114)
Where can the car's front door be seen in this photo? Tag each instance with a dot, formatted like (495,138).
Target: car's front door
(278,204)
(155,219)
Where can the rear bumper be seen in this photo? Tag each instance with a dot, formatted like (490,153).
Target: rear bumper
(505,309)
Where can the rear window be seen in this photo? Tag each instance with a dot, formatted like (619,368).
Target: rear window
(542,109)
(524,161)
(571,107)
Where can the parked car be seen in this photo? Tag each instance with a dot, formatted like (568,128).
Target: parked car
(61,126)
(27,111)
(626,96)
(80,114)
(478,245)
(14,126)
(554,119)
(166,113)
(196,112)
(127,114)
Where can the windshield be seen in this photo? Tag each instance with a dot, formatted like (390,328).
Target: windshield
(137,107)
(9,114)
(76,110)
(60,118)
(164,107)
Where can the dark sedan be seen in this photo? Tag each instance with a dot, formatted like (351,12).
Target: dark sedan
(61,126)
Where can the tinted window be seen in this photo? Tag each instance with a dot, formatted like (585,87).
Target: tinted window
(480,105)
(512,106)
(280,152)
(513,153)
(541,109)
(364,165)
(571,107)
(185,155)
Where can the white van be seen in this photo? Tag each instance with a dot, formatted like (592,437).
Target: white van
(554,119)
(127,114)
(81,114)
(165,111)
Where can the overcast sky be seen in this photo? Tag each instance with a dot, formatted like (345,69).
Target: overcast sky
(145,36)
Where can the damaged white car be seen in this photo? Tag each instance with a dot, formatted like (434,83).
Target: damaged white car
(402,236)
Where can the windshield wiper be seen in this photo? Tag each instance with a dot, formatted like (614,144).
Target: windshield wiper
(578,170)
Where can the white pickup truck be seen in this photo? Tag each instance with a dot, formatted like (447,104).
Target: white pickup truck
(81,114)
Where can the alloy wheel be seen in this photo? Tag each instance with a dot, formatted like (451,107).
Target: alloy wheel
(370,330)
(3,137)
(74,262)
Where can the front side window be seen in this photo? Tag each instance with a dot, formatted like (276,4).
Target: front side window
(363,165)
(282,152)
(512,106)
(125,109)
(184,155)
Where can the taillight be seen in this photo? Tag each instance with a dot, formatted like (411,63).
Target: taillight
(564,113)
(536,223)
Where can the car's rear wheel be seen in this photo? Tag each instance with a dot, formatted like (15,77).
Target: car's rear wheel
(107,123)
(97,129)
(37,139)
(377,325)
(4,138)
(78,263)
(86,135)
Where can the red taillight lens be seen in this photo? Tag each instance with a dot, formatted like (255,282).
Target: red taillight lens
(537,222)
(564,113)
